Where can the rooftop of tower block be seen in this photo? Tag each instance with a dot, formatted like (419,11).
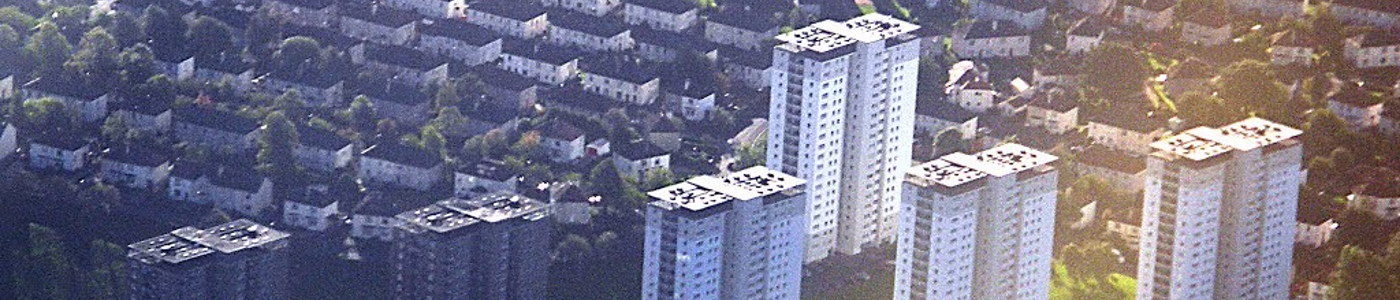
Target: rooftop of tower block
(959,168)
(704,192)
(189,243)
(454,213)
(1202,143)
(827,35)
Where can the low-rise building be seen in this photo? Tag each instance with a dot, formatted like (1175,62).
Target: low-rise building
(991,39)
(1291,48)
(134,167)
(1092,7)
(316,13)
(665,46)
(148,116)
(219,130)
(475,179)
(58,153)
(933,117)
(374,218)
(1149,15)
(621,81)
(1026,13)
(574,205)
(748,30)
(9,140)
(1191,75)
(461,41)
(236,190)
(1129,129)
(406,65)
(89,102)
(322,150)
(749,68)
(378,24)
(1207,28)
(7,85)
(1126,226)
(508,90)
(1380,197)
(396,100)
(315,209)
(1270,8)
(1054,111)
(1086,35)
(1357,106)
(546,63)
(320,90)
(1379,14)
(692,102)
(636,160)
(1371,50)
(400,165)
(977,95)
(226,68)
(1120,169)
(1314,227)
(666,15)
(596,8)
(437,9)
(563,141)
(1390,120)
(519,19)
(590,33)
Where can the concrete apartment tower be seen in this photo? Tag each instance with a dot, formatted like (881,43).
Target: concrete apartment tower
(1218,213)
(736,237)
(978,226)
(494,246)
(842,118)
(236,260)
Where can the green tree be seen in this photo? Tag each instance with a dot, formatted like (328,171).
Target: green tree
(1361,274)
(166,31)
(657,178)
(1202,109)
(431,140)
(1115,68)
(298,54)
(450,121)
(125,29)
(446,95)
(948,141)
(209,37)
(44,271)
(1250,85)
(96,59)
(138,64)
(46,116)
(574,248)
(9,39)
(15,18)
(1323,131)
(48,49)
(107,277)
(100,198)
(362,114)
(277,144)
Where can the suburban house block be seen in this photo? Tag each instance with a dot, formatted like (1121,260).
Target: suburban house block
(1373,50)
(317,13)
(378,24)
(621,81)
(595,8)
(988,39)
(746,30)
(322,150)
(634,161)
(88,102)
(1149,15)
(58,153)
(1028,14)
(590,33)
(461,41)
(405,64)
(1207,28)
(512,18)
(400,165)
(546,63)
(216,129)
(483,177)
(147,116)
(396,100)
(437,9)
(667,15)
(563,141)
(134,167)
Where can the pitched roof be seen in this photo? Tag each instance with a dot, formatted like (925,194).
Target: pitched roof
(235,178)
(65,88)
(321,139)
(687,88)
(1133,115)
(611,68)
(1104,157)
(143,106)
(513,9)
(994,29)
(489,169)
(670,6)
(1152,5)
(1376,5)
(547,53)
(1209,18)
(744,19)
(227,63)
(69,143)
(379,14)
(390,90)
(1191,68)
(751,59)
(136,155)
(316,4)
(672,40)
(561,130)
(216,119)
(589,24)
(503,79)
(1088,27)
(1292,38)
(639,150)
(1355,96)
(1053,100)
(1379,39)
(402,56)
(944,110)
(459,30)
(403,154)
(1023,6)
